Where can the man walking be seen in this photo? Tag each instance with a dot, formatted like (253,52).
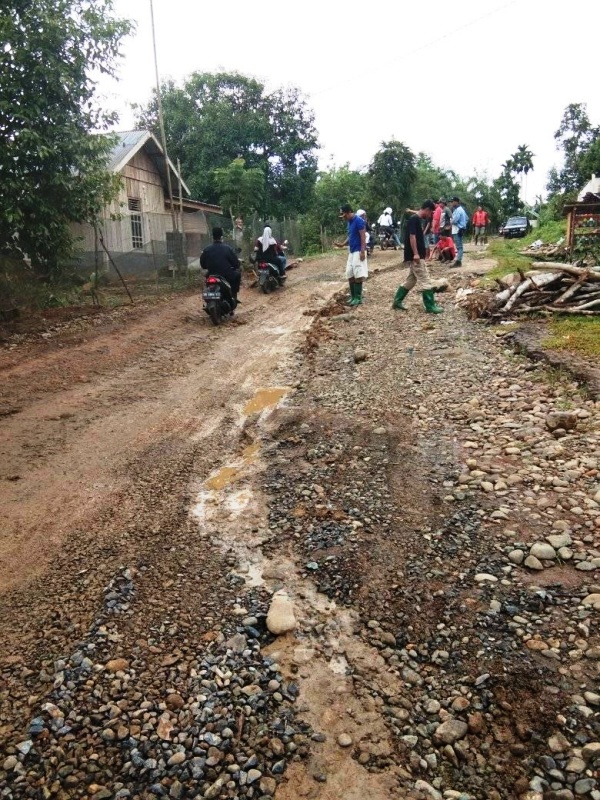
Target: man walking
(414,257)
(356,266)
(219,259)
(459,227)
(480,223)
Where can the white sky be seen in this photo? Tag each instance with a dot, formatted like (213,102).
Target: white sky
(466,81)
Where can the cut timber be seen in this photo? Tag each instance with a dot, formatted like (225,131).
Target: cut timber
(569,269)
(541,280)
(573,289)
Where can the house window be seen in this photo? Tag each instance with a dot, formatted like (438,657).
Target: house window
(137,237)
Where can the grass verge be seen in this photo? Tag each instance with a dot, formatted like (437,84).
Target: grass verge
(577,334)
(506,251)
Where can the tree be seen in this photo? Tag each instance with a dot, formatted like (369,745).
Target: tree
(521,163)
(506,191)
(392,175)
(333,188)
(215,118)
(575,137)
(240,189)
(53,169)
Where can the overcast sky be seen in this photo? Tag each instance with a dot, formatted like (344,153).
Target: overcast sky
(466,82)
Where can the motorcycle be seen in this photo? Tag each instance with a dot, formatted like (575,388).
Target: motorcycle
(386,239)
(218,299)
(269,277)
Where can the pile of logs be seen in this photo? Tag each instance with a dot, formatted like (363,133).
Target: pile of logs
(547,252)
(558,289)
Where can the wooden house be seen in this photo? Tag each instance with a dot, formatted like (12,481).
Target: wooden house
(137,228)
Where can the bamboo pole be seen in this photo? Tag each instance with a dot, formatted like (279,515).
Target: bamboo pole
(161,122)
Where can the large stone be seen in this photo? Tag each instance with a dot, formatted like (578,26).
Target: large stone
(591,751)
(558,540)
(561,419)
(281,618)
(558,743)
(117,665)
(592,600)
(516,556)
(428,789)
(450,731)
(533,563)
(543,551)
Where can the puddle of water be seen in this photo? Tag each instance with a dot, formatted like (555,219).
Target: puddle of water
(265,398)
(249,453)
(223,478)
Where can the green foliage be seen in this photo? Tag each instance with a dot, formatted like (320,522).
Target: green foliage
(392,176)
(215,118)
(579,142)
(240,189)
(53,170)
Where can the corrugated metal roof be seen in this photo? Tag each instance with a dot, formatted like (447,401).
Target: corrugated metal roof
(128,144)
(128,141)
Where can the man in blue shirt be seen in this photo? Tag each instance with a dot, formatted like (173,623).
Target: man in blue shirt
(356,266)
(460,221)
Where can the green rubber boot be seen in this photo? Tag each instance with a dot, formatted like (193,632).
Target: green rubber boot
(400,295)
(350,300)
(357,294)
(430,304)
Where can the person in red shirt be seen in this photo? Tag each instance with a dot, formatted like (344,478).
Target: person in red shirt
(480,222)
(445,250)
(435,221)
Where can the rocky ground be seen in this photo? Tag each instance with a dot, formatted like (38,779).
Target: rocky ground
(386,586)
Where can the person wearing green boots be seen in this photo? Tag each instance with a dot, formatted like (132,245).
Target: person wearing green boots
(414,257)
(356,267)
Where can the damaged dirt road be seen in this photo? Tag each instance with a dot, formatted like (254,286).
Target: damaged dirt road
(427,503)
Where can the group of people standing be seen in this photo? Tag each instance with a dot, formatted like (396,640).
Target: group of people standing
(436,230)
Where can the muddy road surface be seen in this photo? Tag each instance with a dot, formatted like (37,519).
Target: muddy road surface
(398,479)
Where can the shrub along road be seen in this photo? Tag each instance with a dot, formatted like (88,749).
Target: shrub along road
(427,503)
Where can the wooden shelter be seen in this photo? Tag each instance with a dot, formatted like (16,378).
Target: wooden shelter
(583,223)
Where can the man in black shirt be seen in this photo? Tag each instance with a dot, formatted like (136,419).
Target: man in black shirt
(414,256)
(219,259)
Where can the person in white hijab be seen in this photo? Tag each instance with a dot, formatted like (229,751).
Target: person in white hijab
(266,247)
(267,239)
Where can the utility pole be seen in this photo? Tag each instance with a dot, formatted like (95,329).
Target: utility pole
(161,123)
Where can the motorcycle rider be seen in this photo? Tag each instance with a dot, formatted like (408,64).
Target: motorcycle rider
(266,250)
(386,223)
(220,259)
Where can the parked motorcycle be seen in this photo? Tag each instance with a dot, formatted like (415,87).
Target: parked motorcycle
(218,299)
(269,277)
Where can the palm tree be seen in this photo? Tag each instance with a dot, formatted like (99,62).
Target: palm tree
(521,163)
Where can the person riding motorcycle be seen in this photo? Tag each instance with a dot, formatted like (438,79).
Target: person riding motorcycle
(386,224)
(220,259)
(266,250)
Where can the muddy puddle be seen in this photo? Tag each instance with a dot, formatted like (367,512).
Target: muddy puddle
(265,399)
